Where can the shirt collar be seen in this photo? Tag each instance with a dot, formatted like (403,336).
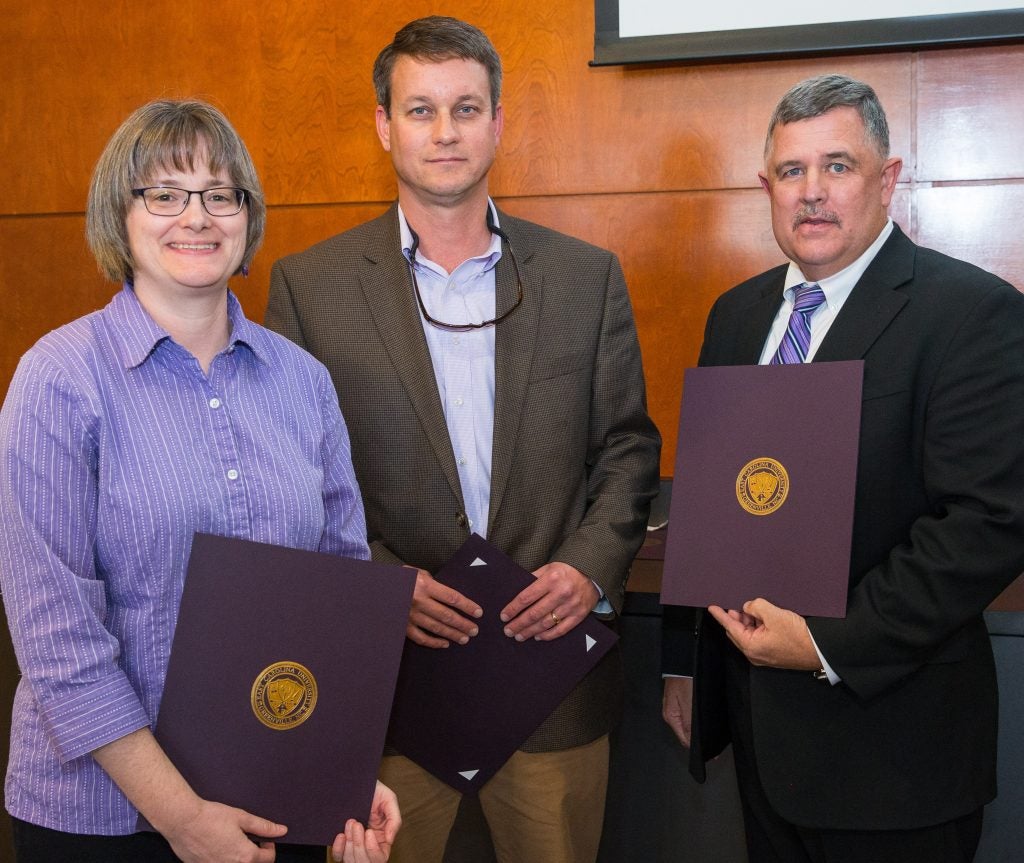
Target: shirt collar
(138,335)
(493,251)
(838,287)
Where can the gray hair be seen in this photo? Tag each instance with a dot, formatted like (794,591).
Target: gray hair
(437,38)
(164,134)
(817,96)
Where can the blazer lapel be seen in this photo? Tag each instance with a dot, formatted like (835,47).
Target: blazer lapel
(515,339)
(873,303)
(760,316)
(388,291)
(738,338)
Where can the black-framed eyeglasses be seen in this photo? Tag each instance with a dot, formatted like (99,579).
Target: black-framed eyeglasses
(169,201)
(494,229)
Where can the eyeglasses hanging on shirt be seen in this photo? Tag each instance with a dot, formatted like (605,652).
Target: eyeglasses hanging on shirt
(494,229)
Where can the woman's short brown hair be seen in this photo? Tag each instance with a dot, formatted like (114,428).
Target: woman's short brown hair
(164,134)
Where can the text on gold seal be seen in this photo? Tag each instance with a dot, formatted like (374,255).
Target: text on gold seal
(284,695)
(762,486)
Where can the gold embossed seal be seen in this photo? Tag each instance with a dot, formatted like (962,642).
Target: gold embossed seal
(284,695)
(762,486)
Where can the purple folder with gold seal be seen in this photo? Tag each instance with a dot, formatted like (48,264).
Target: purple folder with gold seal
(461,712)
(280,681)
(763,493)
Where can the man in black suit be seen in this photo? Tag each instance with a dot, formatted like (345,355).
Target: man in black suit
(870,738)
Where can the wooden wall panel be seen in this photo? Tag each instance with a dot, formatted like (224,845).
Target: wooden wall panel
(80,68)
(970,115)
(979,223)
(666,128)
(295,79)
(48,277)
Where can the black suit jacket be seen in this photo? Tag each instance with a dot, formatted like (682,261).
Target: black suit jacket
(908,738)
(575,454)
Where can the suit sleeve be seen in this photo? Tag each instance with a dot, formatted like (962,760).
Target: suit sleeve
(680,624)
(960,554)
(344,522)
(281,315)
(622,454)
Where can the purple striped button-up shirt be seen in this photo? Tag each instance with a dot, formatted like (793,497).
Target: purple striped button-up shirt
(115,449)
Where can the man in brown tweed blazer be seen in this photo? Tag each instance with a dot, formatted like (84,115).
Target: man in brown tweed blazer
(490,376)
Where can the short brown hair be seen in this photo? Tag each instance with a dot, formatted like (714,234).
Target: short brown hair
(437,38)
(165,133)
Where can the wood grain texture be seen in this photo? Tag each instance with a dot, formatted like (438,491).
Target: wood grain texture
(48,278)
(295,79)
(971,114)
(979,223)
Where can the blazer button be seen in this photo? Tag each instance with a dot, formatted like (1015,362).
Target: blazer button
(461,519)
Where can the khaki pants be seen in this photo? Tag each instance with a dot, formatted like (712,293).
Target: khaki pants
(546,806)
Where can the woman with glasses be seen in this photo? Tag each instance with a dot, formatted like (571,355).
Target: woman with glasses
(124,433)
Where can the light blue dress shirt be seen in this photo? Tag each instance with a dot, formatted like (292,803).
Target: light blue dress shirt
(463,362)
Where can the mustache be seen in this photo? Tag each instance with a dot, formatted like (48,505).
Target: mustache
(811,212)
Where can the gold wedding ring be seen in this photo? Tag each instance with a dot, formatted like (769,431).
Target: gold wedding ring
(556,618)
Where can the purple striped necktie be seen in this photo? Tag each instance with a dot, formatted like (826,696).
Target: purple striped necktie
(796,341)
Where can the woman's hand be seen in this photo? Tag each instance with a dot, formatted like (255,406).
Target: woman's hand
(372,844)
(198,830)
(220,834)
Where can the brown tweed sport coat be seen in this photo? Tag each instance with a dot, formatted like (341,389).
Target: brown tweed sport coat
(575,455)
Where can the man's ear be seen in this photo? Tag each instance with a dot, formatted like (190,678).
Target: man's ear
(890,174)
(499,122)
(383,128)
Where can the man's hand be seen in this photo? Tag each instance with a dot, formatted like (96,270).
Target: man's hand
(770,636)
(553,605)
(677,707)
(440,614)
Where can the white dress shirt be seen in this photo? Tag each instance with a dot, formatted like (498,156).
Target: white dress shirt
(837,290)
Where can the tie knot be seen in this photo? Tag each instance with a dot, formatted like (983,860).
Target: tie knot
(796,342)
(807,298)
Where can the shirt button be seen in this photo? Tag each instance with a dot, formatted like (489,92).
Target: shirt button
(462,462)
(215,403)
(232,474)
(458,403)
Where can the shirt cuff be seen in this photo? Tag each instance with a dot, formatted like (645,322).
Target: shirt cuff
(833,678)
(90,717)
